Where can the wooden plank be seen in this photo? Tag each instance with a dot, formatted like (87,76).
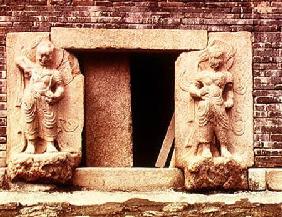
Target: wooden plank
(172,161)
(167,144)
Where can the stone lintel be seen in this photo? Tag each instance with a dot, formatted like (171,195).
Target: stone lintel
(128,179)
(148,39)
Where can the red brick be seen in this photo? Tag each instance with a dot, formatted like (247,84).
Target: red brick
(268,161)
(276,137)
(268,152)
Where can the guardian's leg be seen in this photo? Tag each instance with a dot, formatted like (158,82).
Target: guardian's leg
(50,128)
(205,138)
(29,112)
(222,135)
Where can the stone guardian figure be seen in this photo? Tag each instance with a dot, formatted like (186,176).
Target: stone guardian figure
(44,89)
(212,90)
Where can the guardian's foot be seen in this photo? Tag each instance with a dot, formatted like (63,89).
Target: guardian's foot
(206,153)
(30,148)
(50,147)
(225,152)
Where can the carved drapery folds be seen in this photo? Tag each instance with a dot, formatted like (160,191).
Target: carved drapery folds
(48,109)
(211,93)
(211,86)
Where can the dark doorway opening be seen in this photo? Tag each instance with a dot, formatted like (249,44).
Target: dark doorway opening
(152,103)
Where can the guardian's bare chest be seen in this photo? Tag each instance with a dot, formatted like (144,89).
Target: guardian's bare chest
(213,78)
(41,76)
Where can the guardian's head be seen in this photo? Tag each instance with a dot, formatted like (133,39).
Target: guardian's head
(216,58)
(44,53)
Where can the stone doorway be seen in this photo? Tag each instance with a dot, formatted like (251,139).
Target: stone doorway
(151,87)
(108,111)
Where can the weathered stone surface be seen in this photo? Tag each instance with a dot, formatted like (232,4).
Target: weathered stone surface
(3,178)
(218,173)
(45,112)
(274,179)
(3,161)
(240,115)
(168,203)
(16,42)
(70,114)
(257,179)
(157,39)
(40,210)
(209,121)
(45,168)
(108,110)
(128,179)
(31,187)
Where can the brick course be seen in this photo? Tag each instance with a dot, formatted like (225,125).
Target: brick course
(262,18)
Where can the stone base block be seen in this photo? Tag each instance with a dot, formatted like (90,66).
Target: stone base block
(3,178)
(257,180)
(128,179)
(31,187)
(274,179)
(3,162)
(43,168)
(218,173)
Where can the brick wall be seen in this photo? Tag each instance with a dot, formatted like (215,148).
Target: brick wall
(262,18)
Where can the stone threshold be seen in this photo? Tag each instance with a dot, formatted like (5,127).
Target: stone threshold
(158,203)
(128,178)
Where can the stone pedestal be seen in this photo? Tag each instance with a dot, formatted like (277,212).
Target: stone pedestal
(218,173)
(43,168)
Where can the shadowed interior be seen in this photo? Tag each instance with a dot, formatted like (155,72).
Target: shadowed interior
(152,103)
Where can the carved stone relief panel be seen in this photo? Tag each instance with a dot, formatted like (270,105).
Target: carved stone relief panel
(45,109)
(214,113)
